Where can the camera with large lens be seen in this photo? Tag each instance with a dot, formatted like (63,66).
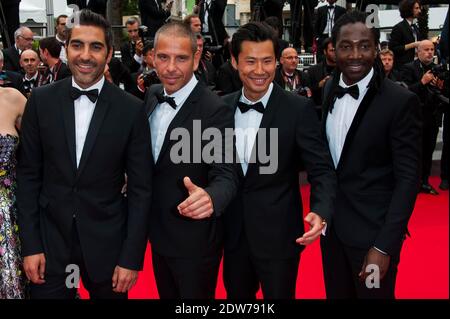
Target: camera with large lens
(144,34)
(208,45)
(440,71)
(302,91)
(150,77)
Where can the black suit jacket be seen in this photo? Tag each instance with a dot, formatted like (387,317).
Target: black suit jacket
(227,79)
(378,171)
(215,17)
(322,18)
(268,207)
(317,73)
(11,59)
(127,52)
(170,233)
(152,15)
(15,79)
(97,6)
(400,36)
(51,190)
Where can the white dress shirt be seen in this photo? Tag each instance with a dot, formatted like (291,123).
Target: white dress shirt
(84,109)
(246,128)
(330,20)
(163,115)
(62,54)
(207,5)
(341,118)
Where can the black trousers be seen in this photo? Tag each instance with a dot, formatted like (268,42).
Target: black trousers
(186,278)
(243,274)
(341,266)
(55,286)
(445,160)
(430,132)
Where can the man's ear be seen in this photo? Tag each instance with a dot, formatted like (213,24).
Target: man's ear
(110,54)
(197,57)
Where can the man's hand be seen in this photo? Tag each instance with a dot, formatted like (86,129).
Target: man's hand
(34,267)
(123,279)
(323,81)
(107,74)
(141,83)
(198,205)
(374,257)
(139,46)
(317,224)
(427,77)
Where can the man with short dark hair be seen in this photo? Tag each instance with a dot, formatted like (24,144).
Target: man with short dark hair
(373,130)
(405,35)
(131,50)
(49,51)
(264,230)
(319,74)
(79,138)
(60,27)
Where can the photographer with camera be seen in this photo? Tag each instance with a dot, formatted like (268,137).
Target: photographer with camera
(421,79)
(287,75)
(131,51)
(206,72)
(148,76)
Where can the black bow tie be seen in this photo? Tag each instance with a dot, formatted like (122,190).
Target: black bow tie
(330,7)
(91,94)
(166,99)
(352,90)
(244,107)
(29,82)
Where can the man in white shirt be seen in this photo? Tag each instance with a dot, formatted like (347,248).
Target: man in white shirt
(79,137)
(61,35)
(373,130)
(190,191)
(264,223)
(29,61)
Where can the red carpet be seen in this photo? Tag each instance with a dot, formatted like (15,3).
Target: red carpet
(423,269)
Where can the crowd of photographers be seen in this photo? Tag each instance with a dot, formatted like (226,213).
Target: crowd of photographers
(410,63)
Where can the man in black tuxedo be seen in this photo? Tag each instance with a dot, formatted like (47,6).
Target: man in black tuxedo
(154,13)
(326,18)
(79,138)
(319,74)
(420,79)
(131,50)
(191,190)
(23,41)
(97,6)
(405,35)
(264,230)
(29,61)
(373,130)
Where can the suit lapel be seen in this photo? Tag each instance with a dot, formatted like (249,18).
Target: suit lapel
(94,127)
(362,109)
(68,113)
(233,106)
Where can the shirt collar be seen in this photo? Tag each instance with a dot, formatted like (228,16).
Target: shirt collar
(98,85)
(57,38)
(34,77)
(264,100)
(182,94)
(363,84)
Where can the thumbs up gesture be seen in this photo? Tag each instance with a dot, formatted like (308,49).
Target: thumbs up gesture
(198,205)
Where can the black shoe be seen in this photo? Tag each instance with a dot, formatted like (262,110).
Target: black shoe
(444,185)
(428,189)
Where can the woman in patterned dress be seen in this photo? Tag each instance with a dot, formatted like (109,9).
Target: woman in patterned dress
(12,104)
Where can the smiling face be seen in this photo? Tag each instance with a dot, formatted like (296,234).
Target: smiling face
(355,52)
(256,65)
(87,54)
(174,61)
